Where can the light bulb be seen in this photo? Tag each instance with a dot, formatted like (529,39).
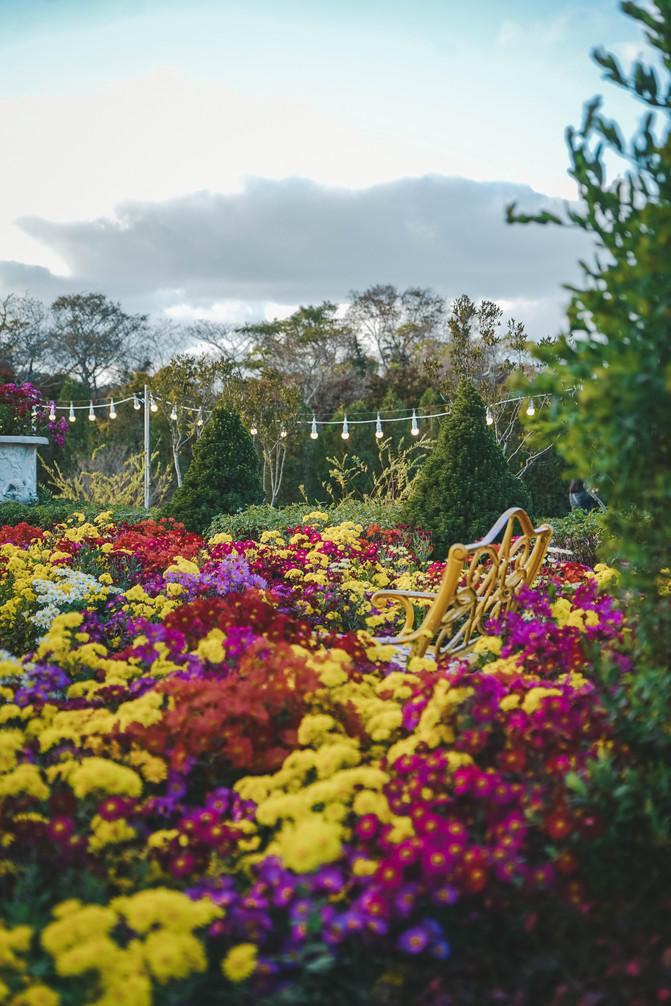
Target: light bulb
(152,403)
(112,409)
(92,415)
(136,402)
(72,417)
(345,429)
(283,433)
(199,419)
(173,414)
(530,407)
(490,417)
(378,427)
(253,430)
(313,432)
(414,429)
(52,412)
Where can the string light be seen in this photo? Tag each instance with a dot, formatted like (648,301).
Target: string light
(137,401)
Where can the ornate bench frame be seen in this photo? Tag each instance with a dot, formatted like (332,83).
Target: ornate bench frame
(480,581)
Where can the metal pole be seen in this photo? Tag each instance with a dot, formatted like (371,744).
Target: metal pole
(146,448)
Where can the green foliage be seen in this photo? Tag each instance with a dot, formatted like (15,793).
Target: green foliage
(611,411)
(48,512)
(397,469)
(617,418)
(223,476)
(465,484)
(547,484)
(581,532)
(250,524)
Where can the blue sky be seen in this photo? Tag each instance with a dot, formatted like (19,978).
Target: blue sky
(232,158)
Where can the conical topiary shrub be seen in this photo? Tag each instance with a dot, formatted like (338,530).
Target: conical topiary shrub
(223,476)
(465,483)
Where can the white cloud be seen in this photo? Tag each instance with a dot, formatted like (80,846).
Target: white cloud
(277,244)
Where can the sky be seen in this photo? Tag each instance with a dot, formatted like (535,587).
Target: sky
(232,159)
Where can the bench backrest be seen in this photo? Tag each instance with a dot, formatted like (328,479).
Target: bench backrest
(482,581)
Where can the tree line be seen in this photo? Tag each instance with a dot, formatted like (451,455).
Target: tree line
(386,350)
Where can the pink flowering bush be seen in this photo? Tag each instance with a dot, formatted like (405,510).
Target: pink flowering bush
(216,786)
(23,412)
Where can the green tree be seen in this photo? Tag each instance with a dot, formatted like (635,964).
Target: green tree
(223,476)
(268,404)
(465,483)
(183,390)
(306,347)
(611,411)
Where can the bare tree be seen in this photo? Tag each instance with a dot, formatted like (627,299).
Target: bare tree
(24,335)
(92,336)
(232,344)
(395,323)
(307,347)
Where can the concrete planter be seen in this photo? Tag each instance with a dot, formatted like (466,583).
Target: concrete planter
(18,468)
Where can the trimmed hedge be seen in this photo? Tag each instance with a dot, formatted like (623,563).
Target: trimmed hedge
(249,524)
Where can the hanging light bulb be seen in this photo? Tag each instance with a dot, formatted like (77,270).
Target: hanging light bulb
(199,418)
(52,412)
(72,416)
(173,414)
(345,429)
(489,417)
(112,409)
(313,432)
(378,427)
(253,428)
(283,432)
(414,429)
(92,414)
(136,403)
(152,403)
(530,407)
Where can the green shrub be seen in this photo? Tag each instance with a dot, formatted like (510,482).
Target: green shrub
(48,512)
(250,524)
(465,484)
(583,534)
(223,476)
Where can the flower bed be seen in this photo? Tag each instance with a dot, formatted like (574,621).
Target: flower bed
(216,788)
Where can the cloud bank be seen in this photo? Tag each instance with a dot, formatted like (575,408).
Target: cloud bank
(294,241)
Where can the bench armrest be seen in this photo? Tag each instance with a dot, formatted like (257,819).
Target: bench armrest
(405,599)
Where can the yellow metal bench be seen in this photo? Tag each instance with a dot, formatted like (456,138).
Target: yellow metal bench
(480,581)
